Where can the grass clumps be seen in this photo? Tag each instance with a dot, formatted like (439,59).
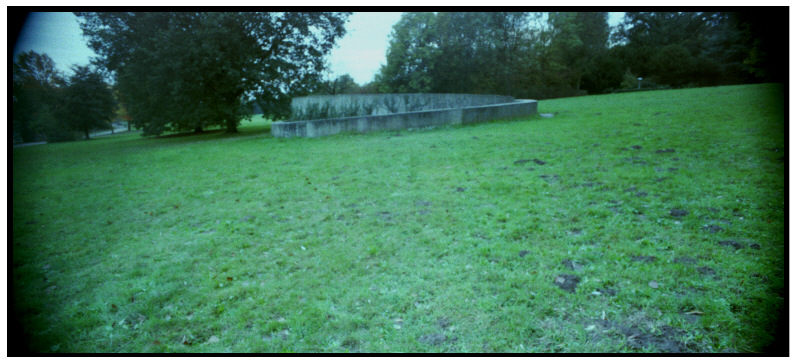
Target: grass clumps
(540,235)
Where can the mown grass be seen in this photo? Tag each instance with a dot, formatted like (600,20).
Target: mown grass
(453,239)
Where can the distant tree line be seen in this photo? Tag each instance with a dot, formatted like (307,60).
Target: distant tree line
(187,71)
(548,55)
(48,106)
(345,84)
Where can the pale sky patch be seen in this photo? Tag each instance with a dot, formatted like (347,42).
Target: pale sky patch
(59,36)
(362,50)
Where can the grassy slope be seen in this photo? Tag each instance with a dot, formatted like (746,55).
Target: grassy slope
(434,240)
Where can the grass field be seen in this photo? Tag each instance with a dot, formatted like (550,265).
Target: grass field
(637,222)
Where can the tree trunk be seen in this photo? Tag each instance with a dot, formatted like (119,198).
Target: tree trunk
(232,127)
(86,131)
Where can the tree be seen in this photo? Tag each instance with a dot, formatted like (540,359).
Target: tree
(511,39)
(188,71)
(533,55)
(344,84)
(35,82)
(121,109)
(670,47)
(456,52)
(673,65)
(604,74)
(410,56)
(88,101)
(465,53)
(747,47)
(369,88)
(578,40)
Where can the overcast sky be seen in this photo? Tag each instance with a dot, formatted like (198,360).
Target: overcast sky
(359,53)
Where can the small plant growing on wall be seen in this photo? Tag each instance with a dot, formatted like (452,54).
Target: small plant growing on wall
(312,112)
(367,108)
(324,110)
(350,109)
(415,103)
(391,103)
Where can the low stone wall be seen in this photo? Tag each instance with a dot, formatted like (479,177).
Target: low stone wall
(327,107)
(407,120)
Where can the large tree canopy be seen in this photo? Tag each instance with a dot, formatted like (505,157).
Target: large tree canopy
(187,71)
(455,52)
(705,48)
(87,102)
(410,56)
(35,82)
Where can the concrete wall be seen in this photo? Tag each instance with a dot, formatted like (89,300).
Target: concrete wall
(326,107)
(405,120)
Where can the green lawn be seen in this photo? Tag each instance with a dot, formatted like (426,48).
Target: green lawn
(637,222)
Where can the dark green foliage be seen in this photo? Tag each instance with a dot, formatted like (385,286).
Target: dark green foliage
(35,85)
(673,65)
(344,84)
(511,53)
(410,57)
(604,74)
(578,38)
(87,102)
(55,125)
(456,53)
(705,48)
(189,71)
(46,105)
(460,52)
(369,88)
(549,55)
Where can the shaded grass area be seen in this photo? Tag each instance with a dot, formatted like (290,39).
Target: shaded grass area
(649,222)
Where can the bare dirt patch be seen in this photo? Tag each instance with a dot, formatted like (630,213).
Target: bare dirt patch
(685,260)
(644,259)
(606,291)
(731,243)
(678,212)
(436,339)
(639,332)
(666,341)
(537,161)
(707,272)
(638,161)
(550,178)
(567,282)
(576,232)
(572,265)
(385,215)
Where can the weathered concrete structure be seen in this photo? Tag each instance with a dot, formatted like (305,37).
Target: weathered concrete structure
(367,113)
